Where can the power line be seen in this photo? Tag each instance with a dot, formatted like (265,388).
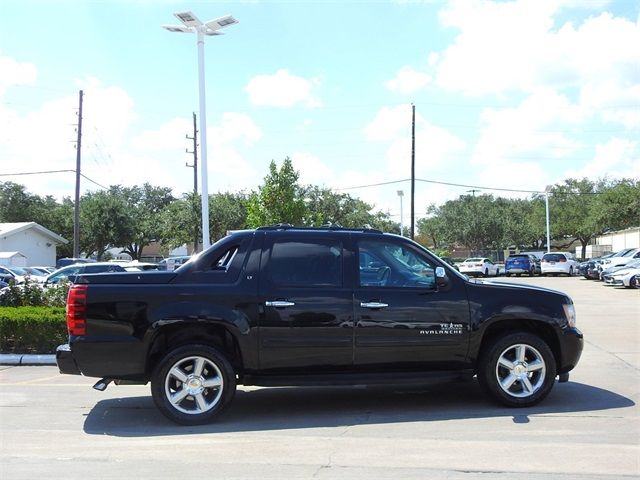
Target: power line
(44,172)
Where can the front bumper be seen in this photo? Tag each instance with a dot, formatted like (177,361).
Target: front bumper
(66,363)
(571,345)
(612,280)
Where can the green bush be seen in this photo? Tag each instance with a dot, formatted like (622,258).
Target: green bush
(32,294)
(32,329)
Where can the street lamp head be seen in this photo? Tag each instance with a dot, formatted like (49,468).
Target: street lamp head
(400,193)
(177,28)
(188,19)
(193,24)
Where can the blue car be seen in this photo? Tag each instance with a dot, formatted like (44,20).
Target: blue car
(522,263)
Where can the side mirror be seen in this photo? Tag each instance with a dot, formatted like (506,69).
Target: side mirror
(441,277)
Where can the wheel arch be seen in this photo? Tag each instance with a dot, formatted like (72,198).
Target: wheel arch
(502,327)
(184,332)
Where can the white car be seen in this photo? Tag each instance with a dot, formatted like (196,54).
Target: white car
(554,263)
(622,275)
(618,261)
(479,266)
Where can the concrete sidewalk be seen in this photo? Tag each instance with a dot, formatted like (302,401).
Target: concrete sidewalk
(24,359)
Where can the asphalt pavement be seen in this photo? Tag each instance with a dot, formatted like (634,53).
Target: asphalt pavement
(55,426)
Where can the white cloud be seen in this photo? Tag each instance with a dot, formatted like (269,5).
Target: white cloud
(15,73)
(312,170)
(515,46)
(435,146)
(615,159)
(408,80)
(283,89)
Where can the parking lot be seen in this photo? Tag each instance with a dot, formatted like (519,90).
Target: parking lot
(56,426)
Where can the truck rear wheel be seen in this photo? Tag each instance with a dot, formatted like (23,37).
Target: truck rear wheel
(192,384)
(517,369)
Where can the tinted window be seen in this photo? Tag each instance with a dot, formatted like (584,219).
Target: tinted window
(102,268)
(306,263)
(554,257)
(387,264)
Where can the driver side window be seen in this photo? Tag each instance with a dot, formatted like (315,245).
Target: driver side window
(387,264)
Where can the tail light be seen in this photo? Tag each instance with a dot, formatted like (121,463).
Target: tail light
(77,310)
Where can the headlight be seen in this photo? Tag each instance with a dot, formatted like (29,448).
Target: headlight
(570,314)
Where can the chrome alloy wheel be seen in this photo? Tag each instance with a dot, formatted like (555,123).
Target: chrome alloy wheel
(520,370)
(194,385)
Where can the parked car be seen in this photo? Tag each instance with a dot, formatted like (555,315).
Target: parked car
(450,261)
(620,270)
(66,273)
(281,306)
(15,274)
(589,269)
(479,266)
(136,266)
(619,261)
(172,263)
(45,270)
(35,274)
(522,263)
(623,275)
(558,262)
(63,262)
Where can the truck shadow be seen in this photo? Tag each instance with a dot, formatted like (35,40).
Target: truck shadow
(325,407)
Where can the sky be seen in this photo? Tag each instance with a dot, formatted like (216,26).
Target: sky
(508,94)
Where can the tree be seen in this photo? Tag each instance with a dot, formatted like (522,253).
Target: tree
(227,211)
(105,221)
(279,200)
(572,210)
(524,223)
(324,206)
(474,221)
(617,207)
(144,207)
(181,221)
(16,204)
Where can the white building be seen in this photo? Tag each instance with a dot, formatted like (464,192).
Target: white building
(621,239)
(35,242)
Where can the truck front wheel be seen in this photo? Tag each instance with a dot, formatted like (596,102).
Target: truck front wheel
(517,369)
(192,384)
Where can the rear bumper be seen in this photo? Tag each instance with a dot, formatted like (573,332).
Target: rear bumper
(571,345)
(66,363)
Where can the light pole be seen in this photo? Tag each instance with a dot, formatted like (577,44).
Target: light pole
(190,24)
(546,205)
(401,194)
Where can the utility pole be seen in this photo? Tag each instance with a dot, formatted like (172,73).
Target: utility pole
(76,210)
(195,155)
(413,169)
(195,174)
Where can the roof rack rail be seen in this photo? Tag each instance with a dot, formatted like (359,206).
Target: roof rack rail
(331,227)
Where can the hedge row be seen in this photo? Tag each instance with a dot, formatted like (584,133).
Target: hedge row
(32,329)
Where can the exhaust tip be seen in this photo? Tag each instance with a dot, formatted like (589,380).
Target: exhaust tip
(102,385)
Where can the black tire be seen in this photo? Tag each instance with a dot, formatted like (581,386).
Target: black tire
(486,272)
(195,403)
(570,272)
(532,272)
(536,367)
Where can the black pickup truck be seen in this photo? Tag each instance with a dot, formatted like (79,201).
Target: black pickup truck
(314,306)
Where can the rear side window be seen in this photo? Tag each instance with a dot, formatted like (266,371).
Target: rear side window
(305,263)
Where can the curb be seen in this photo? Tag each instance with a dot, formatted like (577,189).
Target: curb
(23,359)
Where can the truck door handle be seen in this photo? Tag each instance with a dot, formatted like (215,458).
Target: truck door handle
(373,305)
(279,303)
